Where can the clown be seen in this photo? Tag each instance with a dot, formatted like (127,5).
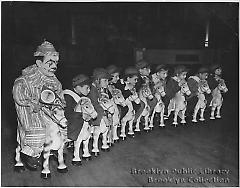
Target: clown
(31,130)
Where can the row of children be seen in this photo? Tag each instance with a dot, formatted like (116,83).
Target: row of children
(133,78)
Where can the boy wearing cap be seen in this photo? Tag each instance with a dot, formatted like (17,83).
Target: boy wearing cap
(193,81)
(144,73)
(99,85)
(172,86)
(215,76)
(80,87)
(128,87)
(26,94)
(114,71)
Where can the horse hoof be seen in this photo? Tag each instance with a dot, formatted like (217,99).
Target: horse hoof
(116,141)
(194,121)
(64,170)
(19,169)
(212,117)
(76,163)
(105,149)
(202,119)
(183,122)
(87,158)
(218,117)
(45,175)
(96,154)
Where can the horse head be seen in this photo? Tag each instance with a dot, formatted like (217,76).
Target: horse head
(146,91)
(222,86)
(118,97)
(106,104)
(86,108)
(57,115)
(184,87)
(160,89)
(204,87)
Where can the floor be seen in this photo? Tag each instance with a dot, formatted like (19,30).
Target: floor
(203,154)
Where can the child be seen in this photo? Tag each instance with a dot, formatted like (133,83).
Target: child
(215,76)
(98,87)
(172,86)
(144,73)
(193,81)
(80,87)
(114,81)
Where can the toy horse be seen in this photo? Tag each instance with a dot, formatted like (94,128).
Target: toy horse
(144,94)
(217,99)
(118,100)
(85,107)
(54,140)
(108,105)
(178,103)
(159,108)
(130,115)
(201,104)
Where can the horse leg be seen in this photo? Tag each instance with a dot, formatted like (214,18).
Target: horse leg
(152,117)
(104,141)
(86,155)
(137,129)
(183,121)
(218,111)
(130,128)
(115,136)
(96,134)
(124,122)
(202,114)
(19,167)
(76,161)
(175,117)
(161,117)
(195,113)
(45,174)
(62,168)
(146,122)
(212,112)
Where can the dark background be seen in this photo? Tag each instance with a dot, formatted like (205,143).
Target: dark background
(107,33)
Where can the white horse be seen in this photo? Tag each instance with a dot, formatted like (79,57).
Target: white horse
(159,108)
(130,115)
(108,105)
(54,140)
(85,107)
(201,104)
(118,100)
(144,94)
(217,99)
(178,103)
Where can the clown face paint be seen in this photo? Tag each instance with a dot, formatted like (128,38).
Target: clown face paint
(49,65)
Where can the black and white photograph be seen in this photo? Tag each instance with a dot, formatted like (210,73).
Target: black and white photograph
(119,94)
